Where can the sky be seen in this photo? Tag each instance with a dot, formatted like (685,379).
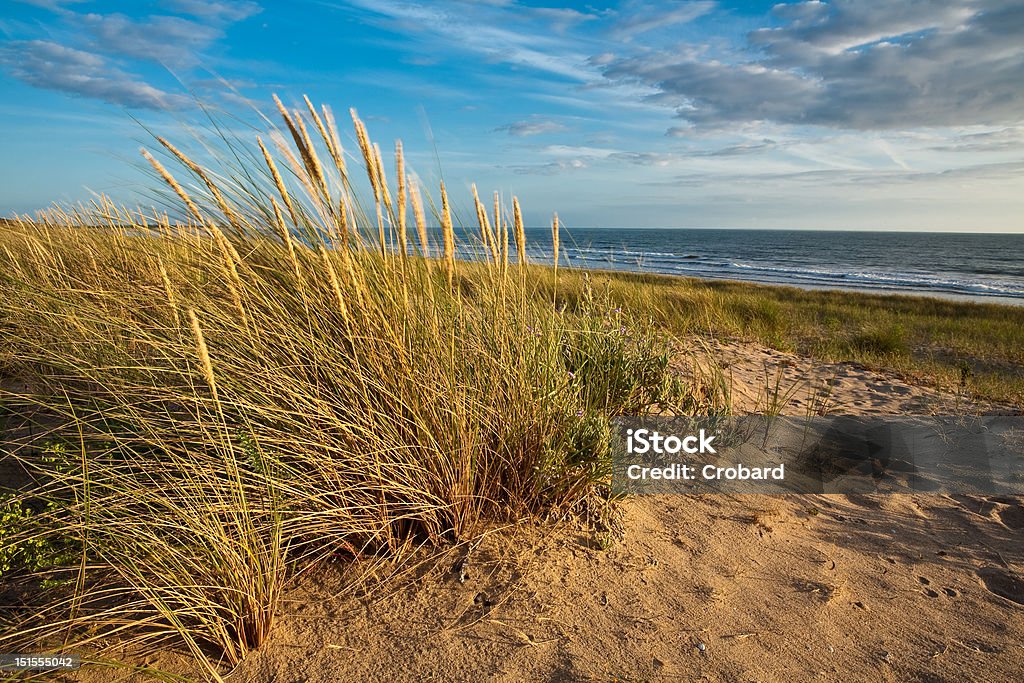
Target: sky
(846,114)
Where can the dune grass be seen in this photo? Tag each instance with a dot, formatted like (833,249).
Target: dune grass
(197,410)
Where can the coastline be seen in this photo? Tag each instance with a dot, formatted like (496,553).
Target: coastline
(719,587)
(641,589)
(959,266)
(972,347)
(979,299)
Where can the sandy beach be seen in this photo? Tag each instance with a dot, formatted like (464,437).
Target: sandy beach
(693,588)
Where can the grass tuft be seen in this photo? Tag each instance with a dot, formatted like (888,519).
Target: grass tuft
(261,385)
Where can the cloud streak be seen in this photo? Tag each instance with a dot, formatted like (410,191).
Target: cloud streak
(52,66)
(164,39)
(91,63)
(640,18)
(481,28)
(551,167)
(222,11)
(521,129)
(845,177)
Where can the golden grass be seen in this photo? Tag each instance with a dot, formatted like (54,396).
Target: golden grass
(520,230)
(448,236)
(421,219)
(324,399)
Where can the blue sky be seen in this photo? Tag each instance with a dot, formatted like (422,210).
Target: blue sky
(844,114)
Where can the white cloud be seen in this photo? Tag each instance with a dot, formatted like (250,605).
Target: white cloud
(169,40)
(561,19)
(847,177)
(54,5)
(79,67)
(52,66)
(646,158)
(602,59)
(551,167)
(1009,139)
(495,31)
(845,24)
(578,151)
(225,11)
(530,127)
(639,18)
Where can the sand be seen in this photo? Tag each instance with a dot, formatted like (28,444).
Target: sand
(840,388)
(696,588)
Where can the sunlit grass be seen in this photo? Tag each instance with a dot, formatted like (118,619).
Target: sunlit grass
(200,404)
(198,409)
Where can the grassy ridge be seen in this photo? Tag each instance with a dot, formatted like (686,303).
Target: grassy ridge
(974,346)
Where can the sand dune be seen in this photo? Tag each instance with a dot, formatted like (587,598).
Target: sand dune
(691,588)
(717,588)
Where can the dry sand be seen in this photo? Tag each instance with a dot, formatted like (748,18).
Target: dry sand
(694,588)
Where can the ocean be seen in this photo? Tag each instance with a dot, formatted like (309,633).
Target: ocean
(987,267)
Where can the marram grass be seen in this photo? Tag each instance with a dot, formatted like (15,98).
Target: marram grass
(197,410)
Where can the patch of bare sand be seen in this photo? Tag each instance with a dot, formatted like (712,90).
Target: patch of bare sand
(753,370)
(793,589)
(715,588)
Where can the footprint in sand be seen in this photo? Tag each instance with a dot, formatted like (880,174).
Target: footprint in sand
(975,504)
(1012,517)
(931,593)
(1002,583)
(927,591)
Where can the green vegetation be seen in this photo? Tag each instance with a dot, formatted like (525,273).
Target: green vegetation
(973,347)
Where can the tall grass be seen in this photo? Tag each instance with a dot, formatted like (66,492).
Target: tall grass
(201,408)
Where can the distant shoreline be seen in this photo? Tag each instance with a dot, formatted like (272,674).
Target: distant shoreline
(979,299)
(963,267)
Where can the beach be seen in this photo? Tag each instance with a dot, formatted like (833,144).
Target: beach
(445,340)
